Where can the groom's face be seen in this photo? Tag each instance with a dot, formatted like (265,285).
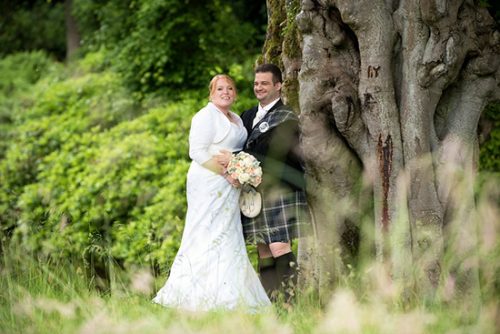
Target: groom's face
(265,90)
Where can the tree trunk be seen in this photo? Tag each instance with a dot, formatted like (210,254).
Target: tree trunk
(72,33)
(395,89)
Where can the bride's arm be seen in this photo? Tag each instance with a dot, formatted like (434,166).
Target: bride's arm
(201,136)
(214,166)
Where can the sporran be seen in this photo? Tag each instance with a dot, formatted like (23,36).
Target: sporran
(250,201)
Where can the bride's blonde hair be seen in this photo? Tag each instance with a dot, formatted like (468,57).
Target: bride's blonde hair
(217,77)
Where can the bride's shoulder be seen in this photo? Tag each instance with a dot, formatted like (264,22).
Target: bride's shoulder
(205,113)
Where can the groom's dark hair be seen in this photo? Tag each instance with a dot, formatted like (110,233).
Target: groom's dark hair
(275,70)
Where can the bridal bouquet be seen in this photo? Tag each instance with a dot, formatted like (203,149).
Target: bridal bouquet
(245,168)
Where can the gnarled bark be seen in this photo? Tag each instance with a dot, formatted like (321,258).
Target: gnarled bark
(395,88)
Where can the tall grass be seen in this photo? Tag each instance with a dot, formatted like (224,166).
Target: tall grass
(47,297)
(40,294)
(44,296)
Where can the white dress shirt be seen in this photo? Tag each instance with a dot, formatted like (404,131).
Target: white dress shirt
(262,111)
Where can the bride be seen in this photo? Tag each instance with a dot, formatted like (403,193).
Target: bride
(211,269)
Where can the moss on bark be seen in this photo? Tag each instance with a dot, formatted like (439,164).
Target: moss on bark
(282,45)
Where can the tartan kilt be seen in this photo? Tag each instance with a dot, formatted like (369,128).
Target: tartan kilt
(283,217)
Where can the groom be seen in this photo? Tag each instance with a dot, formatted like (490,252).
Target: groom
(273,138)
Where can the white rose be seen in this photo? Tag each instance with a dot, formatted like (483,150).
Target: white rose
(244,177)
(248,161)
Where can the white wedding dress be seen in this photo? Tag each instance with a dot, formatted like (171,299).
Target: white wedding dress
(211,269)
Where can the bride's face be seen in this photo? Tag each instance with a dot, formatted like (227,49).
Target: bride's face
(224,94)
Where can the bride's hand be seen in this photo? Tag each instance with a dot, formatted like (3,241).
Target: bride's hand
(223,158)
(234,182)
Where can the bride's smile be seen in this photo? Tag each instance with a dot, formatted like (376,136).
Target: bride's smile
(224,95)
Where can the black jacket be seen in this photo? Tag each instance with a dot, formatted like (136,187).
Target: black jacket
(277,148)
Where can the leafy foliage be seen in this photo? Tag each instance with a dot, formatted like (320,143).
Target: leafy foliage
(109,189)
(19,33)
(157,45)
(165,43)
(90,170)
(19,73)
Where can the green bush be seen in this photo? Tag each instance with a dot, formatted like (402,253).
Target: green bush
(120,190)
(90,170)
(20,72)
(60,111)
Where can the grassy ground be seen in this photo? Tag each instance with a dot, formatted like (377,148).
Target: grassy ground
(45,297)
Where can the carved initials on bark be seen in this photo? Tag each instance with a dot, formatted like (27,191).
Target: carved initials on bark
(373,71)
